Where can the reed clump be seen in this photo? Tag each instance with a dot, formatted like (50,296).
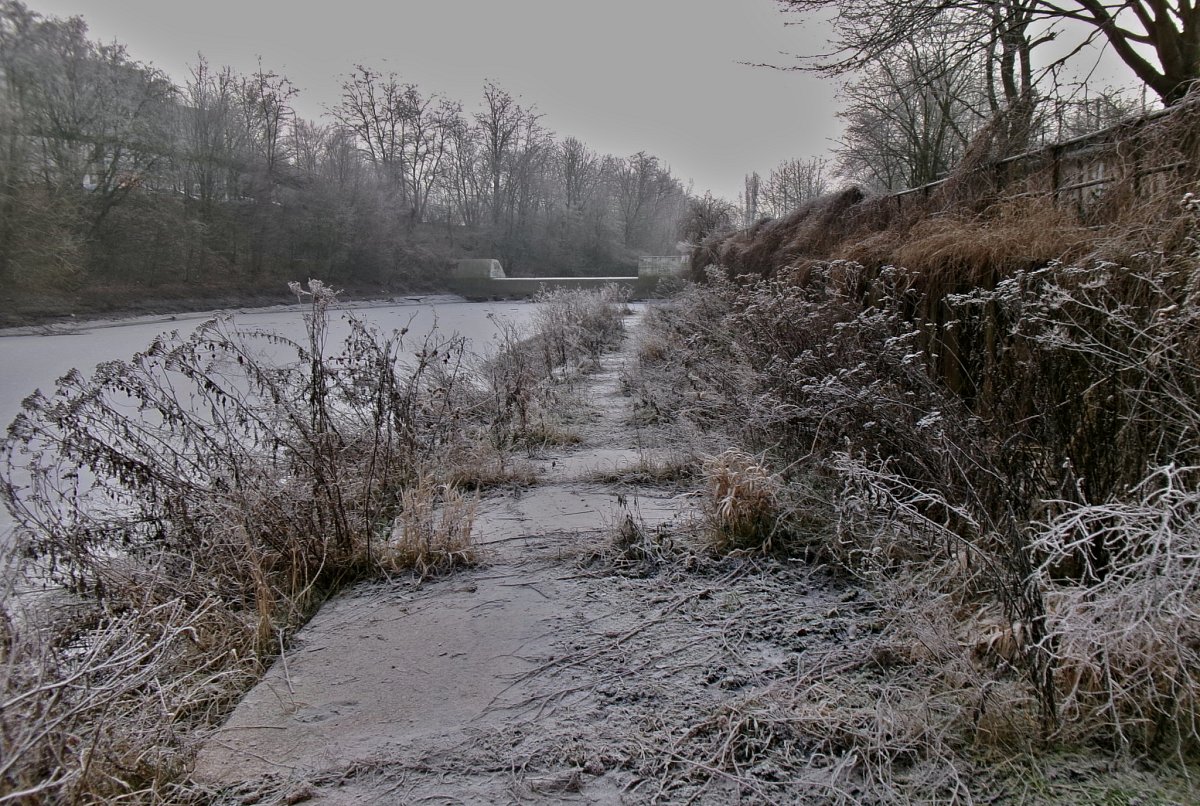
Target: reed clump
(742,508)
(433,533)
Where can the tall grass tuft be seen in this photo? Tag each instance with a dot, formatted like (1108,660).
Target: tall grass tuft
(433,532)
(742,509)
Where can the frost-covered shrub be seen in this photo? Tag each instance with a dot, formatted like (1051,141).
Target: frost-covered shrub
(571,329)
(1127,636)
(196,500)
(1026,459)
(573,324)
(1091,376)
(260,465)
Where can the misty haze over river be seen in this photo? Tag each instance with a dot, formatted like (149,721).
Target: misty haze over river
(36,361)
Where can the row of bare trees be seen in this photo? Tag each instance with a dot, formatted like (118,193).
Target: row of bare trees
(910,113)
(789,185)
(109,172)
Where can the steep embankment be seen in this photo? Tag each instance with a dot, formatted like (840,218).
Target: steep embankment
(1110,194)
(1000,444)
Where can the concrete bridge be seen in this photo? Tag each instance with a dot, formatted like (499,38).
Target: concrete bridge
(484,278)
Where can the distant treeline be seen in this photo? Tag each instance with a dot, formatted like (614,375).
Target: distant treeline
(112,176)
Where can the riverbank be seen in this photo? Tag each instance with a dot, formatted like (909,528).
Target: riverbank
(188,585)
(28,310)
(195,311)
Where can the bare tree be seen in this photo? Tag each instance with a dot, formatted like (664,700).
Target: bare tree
(428,120)
(706,215)
(499,123)
(1072,114)
(372,108)
(580,170)
(96,118)
(580,211)
(212,142)
(750,198)
(16,26)
(307,146)
(1158,39)
(265,98)
(644,192)
(910,115)
(527,184)
(465,180)
(341,164)
(791,183)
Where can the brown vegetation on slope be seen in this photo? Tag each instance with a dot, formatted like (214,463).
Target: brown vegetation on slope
(1113,196)
(1107,195)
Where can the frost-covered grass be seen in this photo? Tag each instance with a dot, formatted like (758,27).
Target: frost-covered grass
(188,509)
(1016,479)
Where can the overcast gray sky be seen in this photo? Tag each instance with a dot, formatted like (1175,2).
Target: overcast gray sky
(621,75)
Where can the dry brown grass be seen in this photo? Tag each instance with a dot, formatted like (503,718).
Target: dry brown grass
(651,470)
(810,231)
(942,251)
(474,463)
(988,219)
(433,533)
(742,506)
(99,707)
(957,252)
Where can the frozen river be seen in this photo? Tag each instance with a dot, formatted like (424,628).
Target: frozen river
(32,361)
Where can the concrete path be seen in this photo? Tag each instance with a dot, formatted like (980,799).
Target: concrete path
(388,674)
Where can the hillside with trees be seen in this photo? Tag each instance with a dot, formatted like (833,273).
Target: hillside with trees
(118,185)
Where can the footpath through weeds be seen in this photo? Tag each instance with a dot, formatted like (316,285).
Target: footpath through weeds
(633,616)
(595,655)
